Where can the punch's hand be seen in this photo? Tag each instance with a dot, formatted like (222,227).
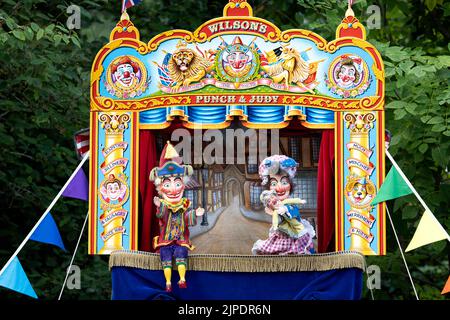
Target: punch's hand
(199,212)
(157,201)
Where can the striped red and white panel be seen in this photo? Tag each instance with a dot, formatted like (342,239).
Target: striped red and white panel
(82,142)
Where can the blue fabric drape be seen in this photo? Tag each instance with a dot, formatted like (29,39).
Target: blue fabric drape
(338,284)
(267,115)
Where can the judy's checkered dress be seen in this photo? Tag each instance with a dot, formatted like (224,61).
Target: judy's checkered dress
(281,243)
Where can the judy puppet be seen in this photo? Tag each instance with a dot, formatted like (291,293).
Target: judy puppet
(290,234)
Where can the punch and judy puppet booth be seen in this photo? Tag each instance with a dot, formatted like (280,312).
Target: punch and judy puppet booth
(325,98)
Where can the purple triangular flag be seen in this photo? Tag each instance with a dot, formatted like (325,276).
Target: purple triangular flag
(78,188)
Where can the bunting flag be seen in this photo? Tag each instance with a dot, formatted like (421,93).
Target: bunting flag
(81,139)
(129,3)
(47,232)
(78,188)
(393,187)
(428,231)
(446,287)
(15,278)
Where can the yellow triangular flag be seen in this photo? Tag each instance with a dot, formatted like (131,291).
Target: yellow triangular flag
(428,231)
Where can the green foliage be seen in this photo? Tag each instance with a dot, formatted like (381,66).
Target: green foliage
(417,88)
(44,99)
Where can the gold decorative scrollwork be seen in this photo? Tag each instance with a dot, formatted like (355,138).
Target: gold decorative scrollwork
(369,103)
(324,103)
(379,74)
(114,123)
(272,36)
(331,47)
(201,37)
(359,122)
(189,38)
(143,48)
(108,104)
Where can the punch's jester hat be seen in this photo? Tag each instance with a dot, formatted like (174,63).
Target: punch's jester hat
(277,164)
(170,165)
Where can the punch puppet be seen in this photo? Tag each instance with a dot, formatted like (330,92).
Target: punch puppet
(174,213)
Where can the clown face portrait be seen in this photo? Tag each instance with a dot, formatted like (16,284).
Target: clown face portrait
(125,72)
(113,191)
(347,75)
(126,77)
(359,192)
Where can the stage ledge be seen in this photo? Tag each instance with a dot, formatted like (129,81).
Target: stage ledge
(244,263)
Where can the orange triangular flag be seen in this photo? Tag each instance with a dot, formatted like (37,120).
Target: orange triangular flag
(446,287)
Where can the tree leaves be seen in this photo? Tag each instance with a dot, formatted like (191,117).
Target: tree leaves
(423,148)
(431,4)
(39,34)
(396,53)
(19,34)
(436,120)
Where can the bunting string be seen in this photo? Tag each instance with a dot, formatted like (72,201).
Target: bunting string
(429,230)
(394,163)
(44,214)
(370,288)
(401,252)
(73,256)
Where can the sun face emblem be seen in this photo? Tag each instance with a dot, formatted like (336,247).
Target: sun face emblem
(237,62)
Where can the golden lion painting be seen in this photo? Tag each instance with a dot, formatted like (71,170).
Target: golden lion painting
(187,66)
(288,67)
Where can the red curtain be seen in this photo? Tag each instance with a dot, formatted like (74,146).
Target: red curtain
(325,193)
(148,224)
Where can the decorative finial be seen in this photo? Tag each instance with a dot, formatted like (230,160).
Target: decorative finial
(125,16)
(349,12)
(181,44)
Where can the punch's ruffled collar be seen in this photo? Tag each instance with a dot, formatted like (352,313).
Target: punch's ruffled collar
(182,204)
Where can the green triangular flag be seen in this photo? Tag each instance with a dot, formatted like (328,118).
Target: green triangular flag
(393,187)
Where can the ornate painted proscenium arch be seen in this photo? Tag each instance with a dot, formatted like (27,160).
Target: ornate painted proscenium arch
(244,67)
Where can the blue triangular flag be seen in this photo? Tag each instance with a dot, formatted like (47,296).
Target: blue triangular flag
(15,278)
(47,232)
(78,188)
